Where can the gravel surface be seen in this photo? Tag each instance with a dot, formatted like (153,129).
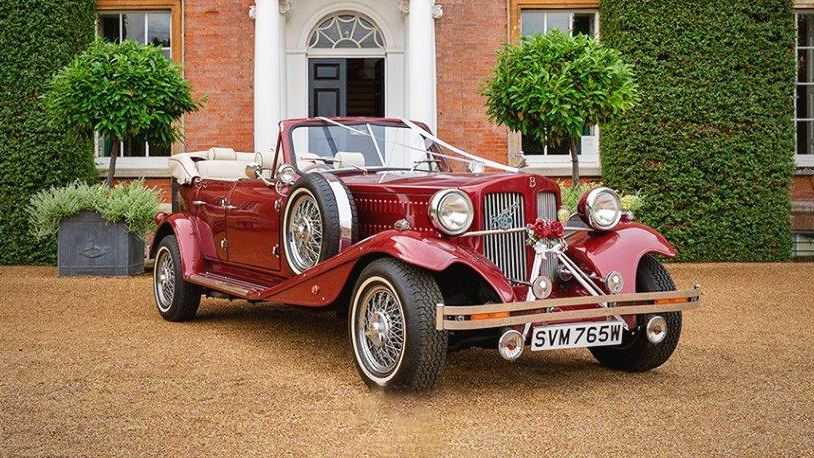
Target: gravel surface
(88,368)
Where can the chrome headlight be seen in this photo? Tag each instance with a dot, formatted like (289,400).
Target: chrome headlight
(451,211)
(601,209)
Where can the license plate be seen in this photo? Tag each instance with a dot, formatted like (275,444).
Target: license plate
(576,335)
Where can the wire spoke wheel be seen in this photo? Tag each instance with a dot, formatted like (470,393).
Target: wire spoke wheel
(304,232)
(380,329)
(164,278)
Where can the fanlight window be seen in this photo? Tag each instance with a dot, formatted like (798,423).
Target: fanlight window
(346,31)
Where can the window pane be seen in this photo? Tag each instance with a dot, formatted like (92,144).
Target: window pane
(560,150)
(561,21)
(110,27)
(158,29)
(803,245)
(133,27)
(157,150)
(167,53)
(532,21)
(107,146)
(584,24)
(135,148)
(804,137)
(804,65)
(805,29)
(805,101)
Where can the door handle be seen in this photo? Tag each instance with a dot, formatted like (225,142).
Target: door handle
(229,207)
(198,202)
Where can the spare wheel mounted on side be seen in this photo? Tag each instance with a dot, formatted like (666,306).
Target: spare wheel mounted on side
(320,219)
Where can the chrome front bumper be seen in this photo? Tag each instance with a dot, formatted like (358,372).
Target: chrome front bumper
(469,317)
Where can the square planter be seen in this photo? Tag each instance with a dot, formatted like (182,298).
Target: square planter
(89,245)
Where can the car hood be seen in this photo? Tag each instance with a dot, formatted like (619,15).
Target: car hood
(427,183)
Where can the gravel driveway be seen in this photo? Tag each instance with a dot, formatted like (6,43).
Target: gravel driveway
(88,368)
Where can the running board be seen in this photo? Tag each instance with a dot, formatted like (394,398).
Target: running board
(238,288)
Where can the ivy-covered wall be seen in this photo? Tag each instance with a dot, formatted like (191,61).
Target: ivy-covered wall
(711,144)
(37,37)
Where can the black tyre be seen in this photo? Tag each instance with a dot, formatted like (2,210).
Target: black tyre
(175,298)
(312,226)
(636,353)
(392,327)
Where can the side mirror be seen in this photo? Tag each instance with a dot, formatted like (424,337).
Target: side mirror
(253,170)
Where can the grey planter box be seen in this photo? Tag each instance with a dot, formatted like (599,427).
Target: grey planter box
(89,245)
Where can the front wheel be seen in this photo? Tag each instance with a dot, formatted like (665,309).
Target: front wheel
(637,353)
(175,298)
(392,327)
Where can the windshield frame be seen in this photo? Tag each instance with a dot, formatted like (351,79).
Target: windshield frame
(434,151)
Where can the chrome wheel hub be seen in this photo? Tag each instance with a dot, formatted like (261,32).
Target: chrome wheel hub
(380,329)
(304,233)
(164,278)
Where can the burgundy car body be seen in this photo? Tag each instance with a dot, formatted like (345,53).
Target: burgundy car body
(253,267)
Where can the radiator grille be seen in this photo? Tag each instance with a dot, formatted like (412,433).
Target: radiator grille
(507,251)
(547,209)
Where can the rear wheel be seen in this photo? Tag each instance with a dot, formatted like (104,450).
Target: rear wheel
(392,327)
(637,353)
(175,298)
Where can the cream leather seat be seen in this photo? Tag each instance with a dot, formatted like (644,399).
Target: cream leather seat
(216,163)
(340,160)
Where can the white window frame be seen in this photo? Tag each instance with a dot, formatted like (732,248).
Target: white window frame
(138,166)
(589,162)
(802,160)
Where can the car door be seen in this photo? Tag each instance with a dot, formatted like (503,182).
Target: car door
(210,212)
(253,225)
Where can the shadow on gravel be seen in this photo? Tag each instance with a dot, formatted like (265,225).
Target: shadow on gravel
(287,332)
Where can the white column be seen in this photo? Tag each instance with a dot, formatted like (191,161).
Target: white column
(421,62)
(269,69)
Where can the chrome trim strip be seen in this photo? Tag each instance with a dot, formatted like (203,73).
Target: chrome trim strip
(454,325)
(345,214)
(460,313)
(494,231)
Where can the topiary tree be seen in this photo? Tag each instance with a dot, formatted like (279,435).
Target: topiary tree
(122,91)
(553,85)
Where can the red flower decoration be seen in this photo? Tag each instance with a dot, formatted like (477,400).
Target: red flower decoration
(541,229)
(557,229)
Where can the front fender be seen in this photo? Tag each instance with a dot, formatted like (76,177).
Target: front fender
(322,284)
(618,250)
(437,255)
(183,228)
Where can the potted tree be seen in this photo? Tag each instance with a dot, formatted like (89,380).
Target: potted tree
(121,92)
(551,86)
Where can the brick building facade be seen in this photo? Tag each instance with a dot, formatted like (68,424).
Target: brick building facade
(256,61)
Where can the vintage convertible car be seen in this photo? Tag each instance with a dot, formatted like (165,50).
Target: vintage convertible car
(368,216)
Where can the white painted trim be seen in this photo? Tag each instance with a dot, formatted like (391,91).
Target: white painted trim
(135,167)
(564,170)
(351,8)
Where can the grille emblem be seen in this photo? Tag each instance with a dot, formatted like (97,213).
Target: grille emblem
(503,220)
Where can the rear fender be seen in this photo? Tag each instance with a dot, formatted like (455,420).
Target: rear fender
(323,283)
(183,228)
(618,250)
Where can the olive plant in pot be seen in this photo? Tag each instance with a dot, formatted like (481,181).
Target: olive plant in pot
(100,230)
(552,86)
(122,92)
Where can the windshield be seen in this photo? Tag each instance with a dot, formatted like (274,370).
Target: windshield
(363,146)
